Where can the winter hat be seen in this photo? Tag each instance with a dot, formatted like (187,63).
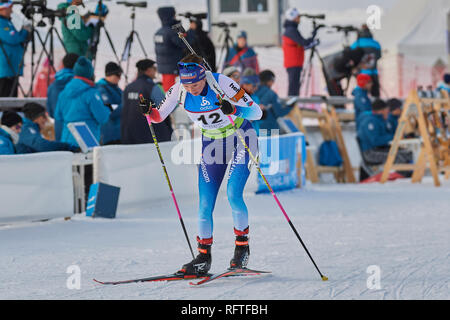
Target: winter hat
(242,34)
(292,14)
(69,60)
(10,118)
(144,64)
(266,76)
(33,110)
(447,78)
(112,68)
(362,79)
(378,105)
(394,104)
(83,68)
(5,4)
(228,71)
(249,76)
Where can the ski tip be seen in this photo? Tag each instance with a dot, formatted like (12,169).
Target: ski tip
(324,278)
(98,281)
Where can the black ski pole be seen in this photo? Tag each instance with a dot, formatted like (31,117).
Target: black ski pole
(152,131)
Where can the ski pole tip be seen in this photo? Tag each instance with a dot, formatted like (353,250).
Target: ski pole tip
(324,278)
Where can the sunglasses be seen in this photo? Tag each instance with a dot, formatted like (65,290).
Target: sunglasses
(18,126)
(191,66)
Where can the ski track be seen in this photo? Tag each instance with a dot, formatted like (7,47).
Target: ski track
(345,227)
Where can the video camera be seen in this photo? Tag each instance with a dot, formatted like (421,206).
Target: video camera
(310,16)
(345,29)
(194,16)
(142,4)
(224,24)
(30,7)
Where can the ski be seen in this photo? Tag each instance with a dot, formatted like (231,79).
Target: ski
(229,273)
(168,277)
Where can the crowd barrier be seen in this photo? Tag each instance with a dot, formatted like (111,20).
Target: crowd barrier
(36,186)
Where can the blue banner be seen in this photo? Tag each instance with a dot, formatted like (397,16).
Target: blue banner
(278,158)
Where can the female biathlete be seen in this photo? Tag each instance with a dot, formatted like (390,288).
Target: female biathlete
(198,94)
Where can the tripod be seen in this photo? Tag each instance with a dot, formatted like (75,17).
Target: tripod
(49,53)
(227,42)
(95,39)
(307,70)
(129,42)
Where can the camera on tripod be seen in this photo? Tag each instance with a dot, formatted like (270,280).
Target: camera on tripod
(142,4)
(194,16)
(224,25)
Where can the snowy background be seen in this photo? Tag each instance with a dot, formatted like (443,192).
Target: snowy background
(401,228)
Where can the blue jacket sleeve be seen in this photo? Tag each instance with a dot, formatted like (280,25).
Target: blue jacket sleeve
(12,37)
(36,142)
(99,111)
(377,136)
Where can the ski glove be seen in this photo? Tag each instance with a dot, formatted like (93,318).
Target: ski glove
(145,105)
(226,107)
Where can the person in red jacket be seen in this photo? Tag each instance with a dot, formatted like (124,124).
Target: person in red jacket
(294,45)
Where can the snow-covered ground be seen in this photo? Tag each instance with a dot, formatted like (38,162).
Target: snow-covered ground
(352,231)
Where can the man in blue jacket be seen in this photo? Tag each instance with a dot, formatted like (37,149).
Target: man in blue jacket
(375,137)
(10,127)
(62,78)
(371,48)
(81,101)
(270,103)
(134,127)
(11,51)
(362,103)
(169,48)
(30,138)
(112,96)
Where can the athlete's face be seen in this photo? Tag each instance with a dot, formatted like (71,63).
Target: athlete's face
(195,88)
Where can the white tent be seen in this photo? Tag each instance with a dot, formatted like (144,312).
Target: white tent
(413,37)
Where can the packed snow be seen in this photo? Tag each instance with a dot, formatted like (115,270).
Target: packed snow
(372,241)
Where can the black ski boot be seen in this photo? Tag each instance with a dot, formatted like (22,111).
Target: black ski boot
(202,263)
(241,253)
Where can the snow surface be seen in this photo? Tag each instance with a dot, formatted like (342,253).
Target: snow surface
(400,227)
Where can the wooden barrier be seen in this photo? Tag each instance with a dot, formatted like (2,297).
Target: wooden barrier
(430,119)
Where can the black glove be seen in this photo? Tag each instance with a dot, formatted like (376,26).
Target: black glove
(226,107)
(145,105)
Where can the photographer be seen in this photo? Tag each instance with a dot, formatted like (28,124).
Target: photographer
(200,40)
(76,37)
(294,50)
(372,49)
(11,51)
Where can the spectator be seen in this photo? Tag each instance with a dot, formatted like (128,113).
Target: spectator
(294,45)
(76,38)
(374,136)
(249,81)
(395,110)
(270,103)
(134,126)
(112,96)
(233,73)
(372,49)
(445,84)
(10,127)
(241,55)
(169,47)
(62,77)
(30,138)
(201,43)
(340,66)
(81,101)
(362,102)
(11,51)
